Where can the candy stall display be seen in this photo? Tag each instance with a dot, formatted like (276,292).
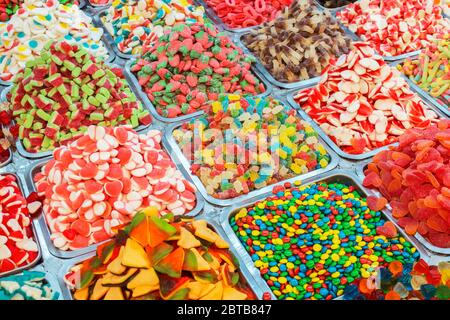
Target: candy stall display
(224,150)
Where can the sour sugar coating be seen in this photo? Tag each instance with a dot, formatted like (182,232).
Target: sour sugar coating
(247,13)
(395,27)
(415,177)
(299,44)
(17,245)
(100,180)
(38,22)
(335,3)
(161,259)
(137,24)
(431,71)
(310,242)
(192,65)
(29,285)
(362,103)
(245,143)
(58,95)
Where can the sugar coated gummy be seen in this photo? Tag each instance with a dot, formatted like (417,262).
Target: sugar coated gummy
(160,259)
(395,27)
(263,143)
(135,25)
(29,285)
(37,22)
(415,177)
(247,13)
(192,65)
(58,95)
(9,7)
(17,245)
(101,179)
(280,44)
(362,103)
(311,242)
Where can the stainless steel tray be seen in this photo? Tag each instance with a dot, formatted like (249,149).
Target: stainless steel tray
(176,152)
(20,183)
(342,176)
(143,96)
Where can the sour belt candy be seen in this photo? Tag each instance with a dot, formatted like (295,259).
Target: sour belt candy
(362,103)
(395,27)
(310,242)
(161,259)
(415,178)
(37,22)
(335,3)
(99,181)
(431,71)
(64,91)
(400,281)
(193,65)
(299,43)
(135,23)
(17,245)
(247,13)
(29,285)
(246,143)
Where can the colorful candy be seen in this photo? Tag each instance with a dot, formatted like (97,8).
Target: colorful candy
(311,242)
(64,91)
(335,3)
(431,71)
(17,245)
(137,23)
(404,282)
(100,2)
(6,140)
(247,13)
(395,27)
(246,143)
(415,177)
(192,65)
(100,180)
(362,103)
(35,24)
(156,258)
(299,43)
(29,285)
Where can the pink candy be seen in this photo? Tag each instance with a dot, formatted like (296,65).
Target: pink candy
(102,179)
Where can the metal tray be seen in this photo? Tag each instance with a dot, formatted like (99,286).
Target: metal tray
(20,183)
(244,272)
(419,238)
(143,96)
(171,145)
(342,176)
(33,170)
(82,4)
(38,155)
(334,146)
(330,9)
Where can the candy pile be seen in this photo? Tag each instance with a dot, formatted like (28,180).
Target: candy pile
(192,65)
(362,103)
(99,181)
(395,27)
(431,71)
(247,13)
(155,258)
(247,143)
(335,3)
(135,23)
(299,43)
(415,178)
(10,7)
(17,246)
(65,90)
(310,242)
(37,22)
(30,285)
(404,282)
(445,4)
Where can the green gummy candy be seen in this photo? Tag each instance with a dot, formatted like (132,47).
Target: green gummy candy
(87,90)
(43,115)
(28,121)
(96,116)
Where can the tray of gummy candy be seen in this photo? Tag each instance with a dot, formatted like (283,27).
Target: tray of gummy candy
(365,236)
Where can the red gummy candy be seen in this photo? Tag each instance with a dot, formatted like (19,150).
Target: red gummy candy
(376,203)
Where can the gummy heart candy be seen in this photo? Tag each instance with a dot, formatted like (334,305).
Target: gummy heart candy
(376,203)
(389,230)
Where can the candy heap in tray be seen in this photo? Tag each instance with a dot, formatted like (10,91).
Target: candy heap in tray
(149,150)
